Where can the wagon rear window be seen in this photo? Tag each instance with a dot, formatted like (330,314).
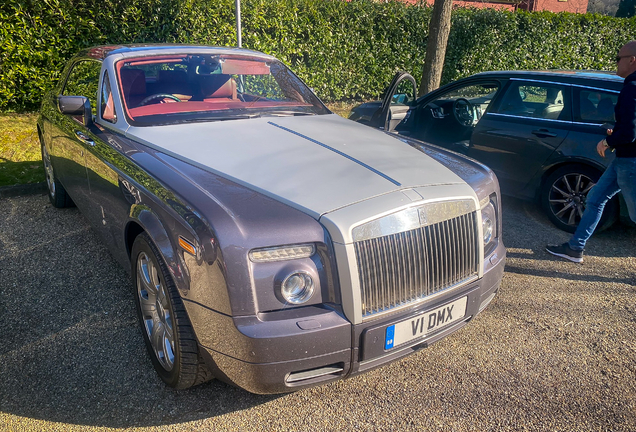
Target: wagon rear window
(172,89)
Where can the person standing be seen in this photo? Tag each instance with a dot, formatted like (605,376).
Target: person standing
(621,173)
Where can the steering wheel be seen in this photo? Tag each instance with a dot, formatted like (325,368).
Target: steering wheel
(464,112)
(159,96)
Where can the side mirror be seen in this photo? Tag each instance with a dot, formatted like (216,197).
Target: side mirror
(76,106)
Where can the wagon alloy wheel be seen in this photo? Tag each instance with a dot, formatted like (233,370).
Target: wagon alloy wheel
(156,311)
(567,197)
(565,193)
(166,328)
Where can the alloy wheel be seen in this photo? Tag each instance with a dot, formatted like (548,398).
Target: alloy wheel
(155,308)
(567,197)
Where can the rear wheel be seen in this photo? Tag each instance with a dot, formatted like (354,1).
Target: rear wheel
(56,192)
(565,192)
(165,325)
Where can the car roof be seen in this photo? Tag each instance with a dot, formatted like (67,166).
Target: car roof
(137,50)
(562,75)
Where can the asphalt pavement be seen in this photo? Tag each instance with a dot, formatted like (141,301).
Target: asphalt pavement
(555,350)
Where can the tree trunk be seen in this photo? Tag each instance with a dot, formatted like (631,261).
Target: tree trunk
(438,30)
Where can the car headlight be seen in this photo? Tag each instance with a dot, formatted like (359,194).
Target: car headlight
(297,288)
(282,253)
(489,224)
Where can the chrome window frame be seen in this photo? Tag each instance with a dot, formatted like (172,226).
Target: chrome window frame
(532,118)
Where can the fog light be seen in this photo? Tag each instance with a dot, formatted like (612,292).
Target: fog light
(297,288)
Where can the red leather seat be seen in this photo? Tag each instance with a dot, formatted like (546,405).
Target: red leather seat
(133,82)
(219,88)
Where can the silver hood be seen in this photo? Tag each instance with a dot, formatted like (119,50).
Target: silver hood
(317,164)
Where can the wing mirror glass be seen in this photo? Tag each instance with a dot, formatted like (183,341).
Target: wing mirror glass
(76,106)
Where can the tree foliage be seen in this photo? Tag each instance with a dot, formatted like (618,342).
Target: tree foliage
(344,50)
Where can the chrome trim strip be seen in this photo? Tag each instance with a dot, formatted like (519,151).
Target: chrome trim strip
(412,218)
(566,84)
(590,124)
(395,182)
(541,81)
(314,373)
(531,118)
(596,88)
(486,302)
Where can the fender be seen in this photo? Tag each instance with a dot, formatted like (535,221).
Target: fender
(153,226)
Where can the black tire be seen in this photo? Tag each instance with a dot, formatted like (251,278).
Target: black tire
(167,330)
(56,192)
(564,193)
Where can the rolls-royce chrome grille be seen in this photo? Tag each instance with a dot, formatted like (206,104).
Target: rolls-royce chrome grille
(404,267)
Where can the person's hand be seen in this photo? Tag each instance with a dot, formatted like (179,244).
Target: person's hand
(609,131)
(601,147)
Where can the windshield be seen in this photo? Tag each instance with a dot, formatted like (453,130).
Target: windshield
(182,88)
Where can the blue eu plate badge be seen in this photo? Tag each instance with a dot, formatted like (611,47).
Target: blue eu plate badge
(390,331)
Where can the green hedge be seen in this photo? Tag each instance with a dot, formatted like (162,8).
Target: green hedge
(344,50)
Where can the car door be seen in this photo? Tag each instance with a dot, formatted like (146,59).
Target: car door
(110,194)
(523,128)
(593,115)
(448,117)
(71,137)
(398,98)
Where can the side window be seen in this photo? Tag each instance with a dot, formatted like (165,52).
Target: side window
(594,106)
(404,94)
(261,86)
(107,109)
(83,81)
(536,100)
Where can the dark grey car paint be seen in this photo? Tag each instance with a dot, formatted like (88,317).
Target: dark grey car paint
(123,187)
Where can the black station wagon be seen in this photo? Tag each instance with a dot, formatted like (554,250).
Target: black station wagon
(537,130)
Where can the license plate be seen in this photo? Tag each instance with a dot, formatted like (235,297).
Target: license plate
(421,325)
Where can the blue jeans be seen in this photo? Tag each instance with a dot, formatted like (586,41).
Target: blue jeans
(619,175)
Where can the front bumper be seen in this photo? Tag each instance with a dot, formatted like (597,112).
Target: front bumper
(285,351)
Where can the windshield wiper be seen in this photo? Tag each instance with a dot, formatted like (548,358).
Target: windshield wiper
(287,113)
(221,118)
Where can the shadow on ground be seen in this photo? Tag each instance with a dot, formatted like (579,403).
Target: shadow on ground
(70,348)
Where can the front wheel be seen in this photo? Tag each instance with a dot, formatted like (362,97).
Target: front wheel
(165,325)
(564,195)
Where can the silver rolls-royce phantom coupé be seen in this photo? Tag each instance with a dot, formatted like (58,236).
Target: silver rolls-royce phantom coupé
(272,244)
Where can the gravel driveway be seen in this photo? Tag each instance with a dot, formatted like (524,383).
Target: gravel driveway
(556,350)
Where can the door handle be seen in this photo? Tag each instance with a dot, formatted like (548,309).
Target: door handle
(84,138)
(543,133)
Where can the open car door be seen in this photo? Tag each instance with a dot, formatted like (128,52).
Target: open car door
(398,98)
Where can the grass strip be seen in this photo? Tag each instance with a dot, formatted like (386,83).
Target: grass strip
(20,158)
